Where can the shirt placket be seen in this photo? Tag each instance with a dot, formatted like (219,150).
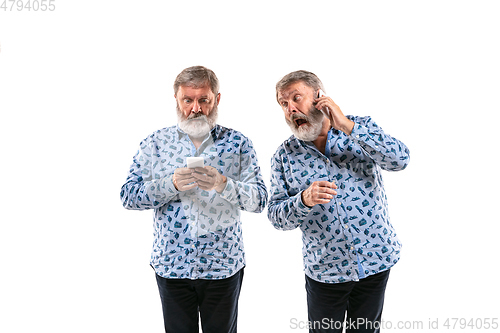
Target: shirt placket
(343,216)
(195,211)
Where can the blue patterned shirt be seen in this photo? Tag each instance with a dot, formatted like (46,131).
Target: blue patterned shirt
(351,237)
(197,233)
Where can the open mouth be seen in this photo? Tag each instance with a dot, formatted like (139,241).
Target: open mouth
(299,122)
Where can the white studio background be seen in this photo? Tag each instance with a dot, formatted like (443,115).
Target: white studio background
(82,85)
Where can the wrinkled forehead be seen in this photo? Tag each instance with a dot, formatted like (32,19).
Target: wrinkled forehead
(292,89)
(196,90)
(197,85)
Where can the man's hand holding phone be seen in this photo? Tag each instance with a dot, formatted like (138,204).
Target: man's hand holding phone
(332,111)
(198,175)
(183,179)
(208,178)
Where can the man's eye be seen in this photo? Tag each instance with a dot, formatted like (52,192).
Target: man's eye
(204,100)
(296,98)
(284,104)
(187,101)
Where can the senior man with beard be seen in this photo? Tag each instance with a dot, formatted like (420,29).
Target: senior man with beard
(326,180)
(198,253)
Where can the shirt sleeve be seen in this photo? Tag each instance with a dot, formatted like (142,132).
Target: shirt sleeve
(284,211)
(140,191)
(389,153)
(248,191)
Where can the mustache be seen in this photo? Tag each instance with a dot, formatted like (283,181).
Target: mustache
(295,116)
(197,115)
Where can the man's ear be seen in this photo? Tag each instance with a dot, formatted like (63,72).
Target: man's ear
(218,98)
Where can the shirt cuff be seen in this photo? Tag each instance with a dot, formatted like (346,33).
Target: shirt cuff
(302,209)
(359,132)
(167,186)
(365,139)
(229,193)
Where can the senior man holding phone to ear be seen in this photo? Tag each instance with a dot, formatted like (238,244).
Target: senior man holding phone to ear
(326,180)
(197,176)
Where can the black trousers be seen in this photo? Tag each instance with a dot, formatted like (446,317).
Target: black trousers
(355,305)
(216,301)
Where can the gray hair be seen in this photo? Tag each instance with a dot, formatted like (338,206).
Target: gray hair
(197,77)
(308,78)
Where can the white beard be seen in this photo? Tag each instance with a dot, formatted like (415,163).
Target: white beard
(197,126)
(309,131)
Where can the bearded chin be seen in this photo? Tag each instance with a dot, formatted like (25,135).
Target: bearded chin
(307,134)
(311,130)
(197,127)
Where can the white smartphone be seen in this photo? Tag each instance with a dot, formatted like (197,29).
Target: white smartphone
(195,162)
(326,110)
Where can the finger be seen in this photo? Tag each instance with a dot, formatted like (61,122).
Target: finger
(325,196)
(321,201)
(189,177)
(319,102)
(201,177)
(204,178)
(188,187)
(324,183)
(207,170)
(201,170)
(324,102)
(183,171)
(319,106)
(182,183)
(327,186)
(205,187)
(185,185)
(205,183)
(326,190)
(211,171)
(319,99)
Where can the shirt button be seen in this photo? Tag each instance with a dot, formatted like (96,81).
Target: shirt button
(352,247)
(346,226)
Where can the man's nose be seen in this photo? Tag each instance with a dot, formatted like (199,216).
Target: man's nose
(291,108)
(196,107)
